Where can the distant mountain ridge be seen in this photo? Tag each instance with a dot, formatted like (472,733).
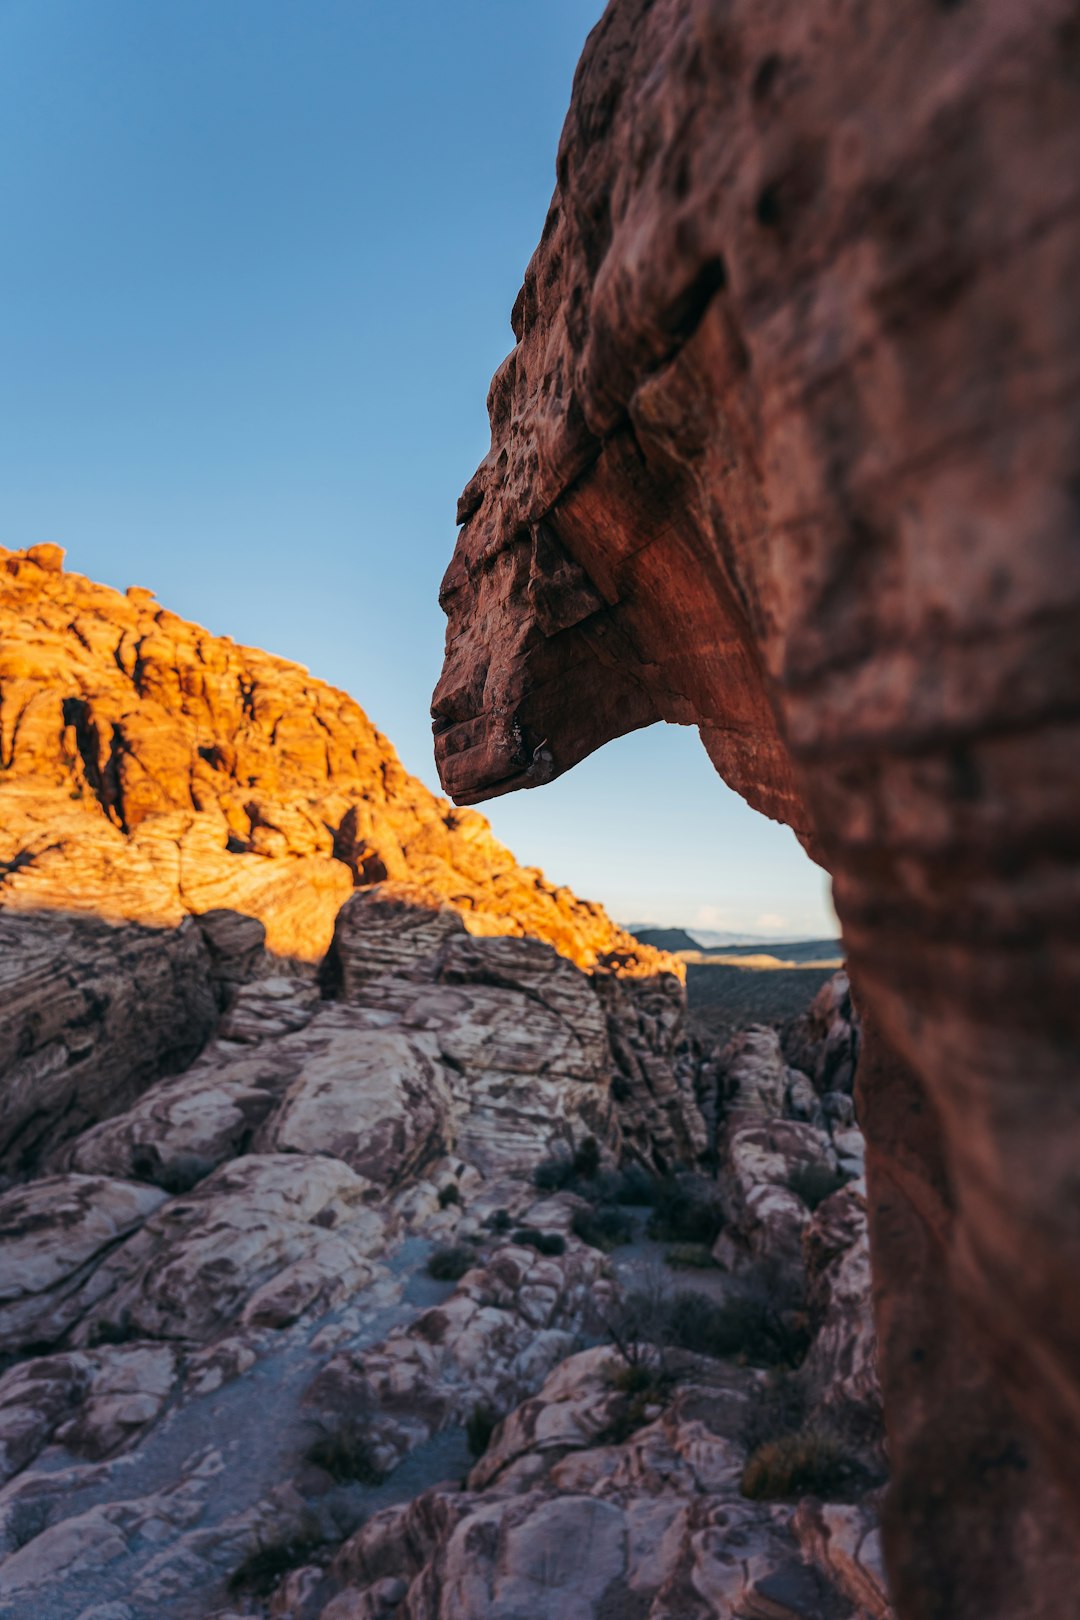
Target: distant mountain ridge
(735,944)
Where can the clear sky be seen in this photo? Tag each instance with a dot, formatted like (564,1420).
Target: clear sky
(258,263)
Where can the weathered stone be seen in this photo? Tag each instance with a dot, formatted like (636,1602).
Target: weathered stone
(90,1014)
(265,1238)
(151,771)
(786,449)
(376,1099)
(55,1232)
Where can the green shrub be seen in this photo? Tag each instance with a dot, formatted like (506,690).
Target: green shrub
(450,1194)
(810,1462)
(449,1263)
(813,1183)
(480,1427)
(347,1453)
(605,1228)
(586,1160)
(636,1186)
(553,1175)
(687,1209)
(498,1221)
(691,1257)
(549,1243)
(641,1383)
(777,1408)
(263,1568)
(633,1378)
(747,1325)
(756,1322)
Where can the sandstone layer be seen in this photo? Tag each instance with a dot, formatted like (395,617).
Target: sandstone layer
(236,1382)
(152,771)
(786,449)
(174,809)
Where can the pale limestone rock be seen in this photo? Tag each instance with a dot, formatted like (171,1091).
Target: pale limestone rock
(54,1232)
(376,1099)
(265,1238)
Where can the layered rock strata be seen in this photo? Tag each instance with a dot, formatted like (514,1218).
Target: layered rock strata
(154,777)
(786,449)
(233,1390)
(152,771)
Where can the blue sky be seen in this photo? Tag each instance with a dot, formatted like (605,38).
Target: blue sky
(259,258)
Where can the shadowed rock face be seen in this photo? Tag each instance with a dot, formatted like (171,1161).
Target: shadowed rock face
(788,449)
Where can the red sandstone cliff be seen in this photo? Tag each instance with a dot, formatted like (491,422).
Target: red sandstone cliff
(150,771)
(787,447)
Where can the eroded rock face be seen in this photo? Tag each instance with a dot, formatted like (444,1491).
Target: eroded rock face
(238,1374)
(152,771)
(90,1013)
(178,816)
(787,449)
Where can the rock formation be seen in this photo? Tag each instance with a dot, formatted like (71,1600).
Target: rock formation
(786,449)
(169,802)
(237,1386)
(152,771)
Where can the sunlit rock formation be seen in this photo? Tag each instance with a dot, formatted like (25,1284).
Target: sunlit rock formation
(153,771)
(177,798)
(787,449)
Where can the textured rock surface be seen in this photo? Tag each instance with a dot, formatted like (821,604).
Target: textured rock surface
(151,773)
(151,770)
(787,449)
(235,1390)
(89,1015)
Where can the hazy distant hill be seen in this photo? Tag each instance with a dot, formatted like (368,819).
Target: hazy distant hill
(731,944)
(736,979)
(786,950)
(666,939)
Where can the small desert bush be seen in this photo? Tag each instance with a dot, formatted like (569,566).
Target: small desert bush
(549,1243)
(481,1425)
(587,1158)
(347,1452)
(263,1568)
(690,1257)
(562,1171)
(554,1174)
(29,1518)
(750,1324)
(450,1262)
(756,1322)
(686,1210)
(602,1228)
(450,1194)
(813,1183)
(636,1186)
(498,1221)
(640,1383)
(777,1408)
(809,1462)
(634,1378)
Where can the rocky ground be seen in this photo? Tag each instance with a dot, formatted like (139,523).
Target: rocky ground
(443,1280)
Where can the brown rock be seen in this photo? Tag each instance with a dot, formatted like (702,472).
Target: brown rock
(787,449)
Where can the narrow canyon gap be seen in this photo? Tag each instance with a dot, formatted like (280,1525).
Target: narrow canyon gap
(788,449)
